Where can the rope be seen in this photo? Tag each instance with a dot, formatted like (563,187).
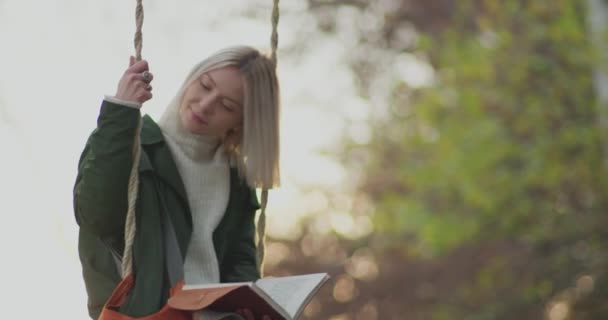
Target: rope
(127,257)
(261,245)
(139,22)
(274,38)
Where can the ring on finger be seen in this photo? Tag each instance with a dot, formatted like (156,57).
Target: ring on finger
(146,76)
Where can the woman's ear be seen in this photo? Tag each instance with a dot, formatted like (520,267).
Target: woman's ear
(230,133)
(233,138)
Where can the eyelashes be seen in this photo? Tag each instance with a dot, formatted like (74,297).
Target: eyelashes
(208,88)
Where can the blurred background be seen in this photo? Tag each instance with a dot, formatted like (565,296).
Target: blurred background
(442,159)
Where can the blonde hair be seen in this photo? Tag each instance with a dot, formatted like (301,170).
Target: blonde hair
(256,152)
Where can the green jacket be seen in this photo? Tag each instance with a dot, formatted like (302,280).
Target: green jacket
(100,205)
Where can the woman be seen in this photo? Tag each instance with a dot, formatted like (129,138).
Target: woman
(216,142)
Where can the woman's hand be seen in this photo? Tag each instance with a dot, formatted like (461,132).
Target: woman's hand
(134,86)
(247,314)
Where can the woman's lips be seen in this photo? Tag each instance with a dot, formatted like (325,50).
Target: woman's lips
(198,118)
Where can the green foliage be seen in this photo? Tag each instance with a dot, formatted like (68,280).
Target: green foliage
(502,147)
(487,187)
(503,144)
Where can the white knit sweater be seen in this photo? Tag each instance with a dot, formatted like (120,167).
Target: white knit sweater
(204,169)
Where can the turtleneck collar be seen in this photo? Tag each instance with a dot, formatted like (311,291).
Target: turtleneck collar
(196,147)
(200,148)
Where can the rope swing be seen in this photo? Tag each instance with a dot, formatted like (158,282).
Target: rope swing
(127,259)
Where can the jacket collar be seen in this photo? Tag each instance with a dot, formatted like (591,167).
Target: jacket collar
(158,157)
(150,132)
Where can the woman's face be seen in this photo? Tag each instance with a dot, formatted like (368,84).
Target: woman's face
(213,103)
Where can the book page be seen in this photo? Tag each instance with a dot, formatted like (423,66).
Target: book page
(216,315)
(292,293)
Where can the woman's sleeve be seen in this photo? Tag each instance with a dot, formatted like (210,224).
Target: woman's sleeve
(100,191)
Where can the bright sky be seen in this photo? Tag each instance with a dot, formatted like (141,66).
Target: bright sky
(58,59)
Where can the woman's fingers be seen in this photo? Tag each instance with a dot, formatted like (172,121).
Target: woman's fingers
(135,82)
(249,314)
(143,96)
(147,76)
(246,313)
(196,315)
(138,67)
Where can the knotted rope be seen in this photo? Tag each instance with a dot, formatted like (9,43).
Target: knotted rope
(139,22)
(261,228)
(127,257)
(274,38)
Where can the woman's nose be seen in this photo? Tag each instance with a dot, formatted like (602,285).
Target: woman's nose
(206,104)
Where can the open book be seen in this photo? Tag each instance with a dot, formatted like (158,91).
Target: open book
(281,298)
